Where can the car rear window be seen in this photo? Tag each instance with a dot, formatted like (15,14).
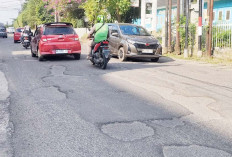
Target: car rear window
(19,30)
(58,31)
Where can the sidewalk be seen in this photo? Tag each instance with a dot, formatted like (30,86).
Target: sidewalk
(5,148)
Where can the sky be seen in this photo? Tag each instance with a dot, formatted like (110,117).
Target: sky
(9,10)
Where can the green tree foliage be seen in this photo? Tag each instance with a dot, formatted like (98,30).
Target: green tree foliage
(115,9)
(36,12)
(191,35)
(33,13)
(92,9)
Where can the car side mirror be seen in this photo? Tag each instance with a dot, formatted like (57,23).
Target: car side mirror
(31,34)
(114,34)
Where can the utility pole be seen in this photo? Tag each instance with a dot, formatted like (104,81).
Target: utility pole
(170,27)
(210,28)
(199,54)
(166,26)
(186,30)
(177,47)
(207,23)
(184,7)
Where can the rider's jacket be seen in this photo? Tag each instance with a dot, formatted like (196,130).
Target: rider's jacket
(101,32)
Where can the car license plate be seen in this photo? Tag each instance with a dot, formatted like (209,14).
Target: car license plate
(147,50)
(61,51)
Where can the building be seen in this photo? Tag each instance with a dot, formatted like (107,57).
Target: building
(153,12)
(222,11)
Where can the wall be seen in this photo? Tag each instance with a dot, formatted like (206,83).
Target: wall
(81,31)
(222,5)
(161,18)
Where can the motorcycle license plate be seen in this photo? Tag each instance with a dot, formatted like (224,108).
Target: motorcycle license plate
(61,51)
(106,53)
(147,50)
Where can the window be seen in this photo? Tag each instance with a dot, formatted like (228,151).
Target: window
(228,15)
(220,15)
(59,30)
(113,29)
(148,8)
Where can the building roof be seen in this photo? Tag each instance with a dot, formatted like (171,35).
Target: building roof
(163,3)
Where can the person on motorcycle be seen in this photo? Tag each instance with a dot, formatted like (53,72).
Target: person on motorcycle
(101,31)
(26,31)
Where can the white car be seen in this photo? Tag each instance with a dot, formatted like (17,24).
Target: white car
(10,30)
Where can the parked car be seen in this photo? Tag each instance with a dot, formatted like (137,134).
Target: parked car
(55,39)
(3,32)
(17,34)
(133,41)
(10,30)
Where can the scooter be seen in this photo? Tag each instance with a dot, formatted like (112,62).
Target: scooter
(101,54)
(26,40)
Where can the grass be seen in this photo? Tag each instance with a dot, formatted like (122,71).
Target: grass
(211,60)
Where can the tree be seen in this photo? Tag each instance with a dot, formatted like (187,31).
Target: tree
(117,8)
(60,6)
(33,13)
(109,8)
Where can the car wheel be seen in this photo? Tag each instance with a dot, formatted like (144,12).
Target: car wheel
(40,57)
(121,54)
(32,53)
(155,59)
(77,56)
(15,41)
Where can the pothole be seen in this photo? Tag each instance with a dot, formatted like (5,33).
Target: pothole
(128,131)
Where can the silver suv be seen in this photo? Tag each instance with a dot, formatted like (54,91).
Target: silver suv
(3,32)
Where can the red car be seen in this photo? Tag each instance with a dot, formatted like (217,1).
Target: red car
(55,39)
(17,34)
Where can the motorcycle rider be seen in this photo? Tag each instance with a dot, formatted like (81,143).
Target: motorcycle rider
(101,31)
(26,31)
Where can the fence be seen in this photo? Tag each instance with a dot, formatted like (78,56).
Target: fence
(222,35)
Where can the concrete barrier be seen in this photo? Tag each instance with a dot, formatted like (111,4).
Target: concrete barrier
(81,31)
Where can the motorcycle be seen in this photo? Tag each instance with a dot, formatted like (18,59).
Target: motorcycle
(26,40)
(101,54)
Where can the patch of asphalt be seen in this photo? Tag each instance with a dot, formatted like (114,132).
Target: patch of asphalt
(197,105)
(128,131)
(193,151)
(5,125)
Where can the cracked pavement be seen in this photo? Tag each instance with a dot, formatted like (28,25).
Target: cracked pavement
(62,107)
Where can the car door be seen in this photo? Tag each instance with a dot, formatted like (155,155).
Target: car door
(35,40)
(114,40)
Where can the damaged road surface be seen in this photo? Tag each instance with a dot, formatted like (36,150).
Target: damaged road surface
(67,108)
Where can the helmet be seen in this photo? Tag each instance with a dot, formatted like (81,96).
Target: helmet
(100,19)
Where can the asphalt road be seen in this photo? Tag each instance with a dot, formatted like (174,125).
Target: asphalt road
(62,107)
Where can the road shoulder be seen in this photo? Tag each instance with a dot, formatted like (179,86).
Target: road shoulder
(5,129)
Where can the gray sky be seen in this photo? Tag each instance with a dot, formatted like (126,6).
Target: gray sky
(9,9)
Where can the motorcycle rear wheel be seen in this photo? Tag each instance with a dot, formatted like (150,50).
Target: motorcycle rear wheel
(104,63)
